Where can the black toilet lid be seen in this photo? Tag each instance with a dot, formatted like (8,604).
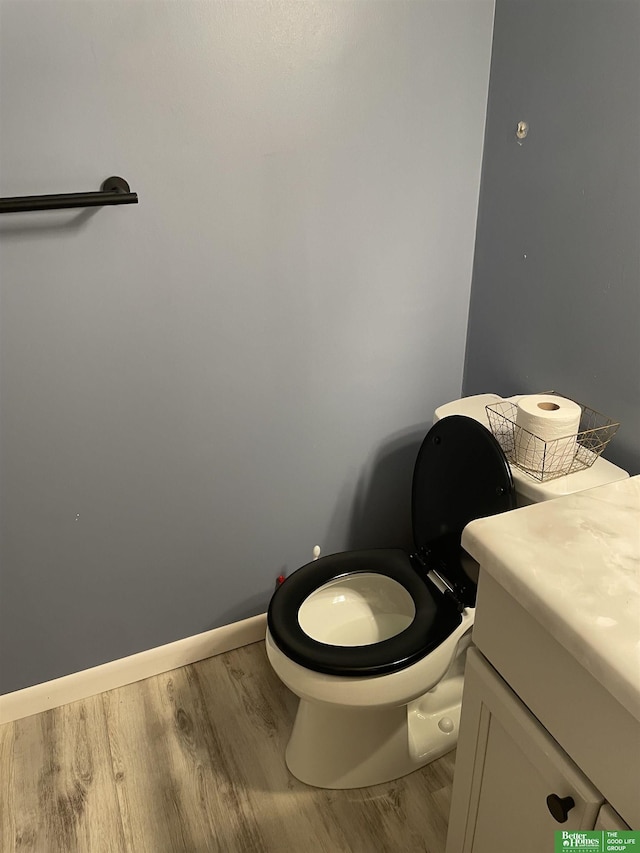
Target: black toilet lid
(435,618)
(461,473)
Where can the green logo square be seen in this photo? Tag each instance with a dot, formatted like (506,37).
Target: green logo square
(597,841)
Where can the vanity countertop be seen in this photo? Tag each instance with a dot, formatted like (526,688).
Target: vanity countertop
(574,564)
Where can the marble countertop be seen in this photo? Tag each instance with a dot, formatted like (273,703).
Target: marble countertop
(574,564)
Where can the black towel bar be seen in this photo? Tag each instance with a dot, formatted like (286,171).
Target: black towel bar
(113,191)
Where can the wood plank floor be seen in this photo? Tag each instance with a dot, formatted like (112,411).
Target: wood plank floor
(193,761)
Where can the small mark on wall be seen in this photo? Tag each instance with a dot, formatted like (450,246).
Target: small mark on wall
(522,129)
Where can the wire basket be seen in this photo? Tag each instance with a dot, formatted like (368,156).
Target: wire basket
(548,460)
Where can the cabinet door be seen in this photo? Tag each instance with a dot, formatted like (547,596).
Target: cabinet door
(608,818)
(506,767)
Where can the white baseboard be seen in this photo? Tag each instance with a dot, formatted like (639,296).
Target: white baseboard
(117,673)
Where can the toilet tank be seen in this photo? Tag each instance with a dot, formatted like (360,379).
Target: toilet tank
(529,490)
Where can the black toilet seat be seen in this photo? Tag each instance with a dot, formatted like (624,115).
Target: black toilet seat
(435,617)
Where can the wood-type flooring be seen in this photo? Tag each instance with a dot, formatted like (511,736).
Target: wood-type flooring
(192,761)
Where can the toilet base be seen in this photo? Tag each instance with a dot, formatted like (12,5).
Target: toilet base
(337,747)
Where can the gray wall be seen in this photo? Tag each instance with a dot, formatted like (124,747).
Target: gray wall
(555,300)
(197,390)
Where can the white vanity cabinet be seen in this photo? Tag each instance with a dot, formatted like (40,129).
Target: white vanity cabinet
(551,705)
(506,767)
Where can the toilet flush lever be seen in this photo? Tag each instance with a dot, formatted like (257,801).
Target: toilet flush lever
(316,552)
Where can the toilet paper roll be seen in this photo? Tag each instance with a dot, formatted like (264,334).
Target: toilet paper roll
(554,423)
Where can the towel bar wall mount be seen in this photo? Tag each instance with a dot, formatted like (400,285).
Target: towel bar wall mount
(114,190)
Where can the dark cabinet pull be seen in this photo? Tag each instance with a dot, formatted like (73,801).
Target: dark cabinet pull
(560,807)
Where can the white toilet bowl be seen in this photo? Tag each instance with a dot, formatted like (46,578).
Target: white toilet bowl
(351,732)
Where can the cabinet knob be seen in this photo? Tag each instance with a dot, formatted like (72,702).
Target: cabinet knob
(560,807)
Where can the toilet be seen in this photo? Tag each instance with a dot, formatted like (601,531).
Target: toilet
(373,642)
